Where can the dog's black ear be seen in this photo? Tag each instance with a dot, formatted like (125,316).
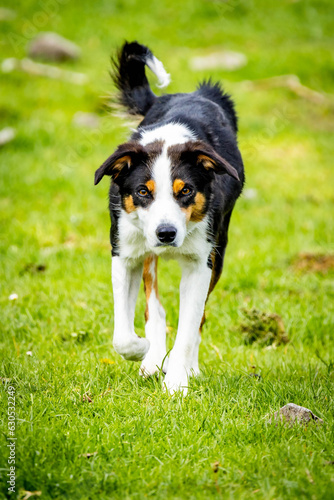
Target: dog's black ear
(126,156)
(207,157)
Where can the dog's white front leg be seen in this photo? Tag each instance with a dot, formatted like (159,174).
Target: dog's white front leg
(155,328)
(126,281)
(183,361)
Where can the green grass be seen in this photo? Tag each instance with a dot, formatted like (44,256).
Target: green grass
(146,444)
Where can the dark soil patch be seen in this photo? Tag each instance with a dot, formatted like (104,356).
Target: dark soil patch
(263,328)
(311,262)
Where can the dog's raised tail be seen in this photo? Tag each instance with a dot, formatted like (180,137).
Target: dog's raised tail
(130,78)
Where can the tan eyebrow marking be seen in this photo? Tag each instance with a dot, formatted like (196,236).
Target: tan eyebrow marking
(178,185)
(128,204)
(150,186)
(195,212)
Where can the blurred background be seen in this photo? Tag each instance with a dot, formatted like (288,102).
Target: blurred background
(56,126)
(276,59)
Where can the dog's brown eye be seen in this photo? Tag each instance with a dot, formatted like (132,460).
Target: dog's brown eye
(142,192)
(186,191)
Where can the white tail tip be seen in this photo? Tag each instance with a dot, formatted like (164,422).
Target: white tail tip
(158,69)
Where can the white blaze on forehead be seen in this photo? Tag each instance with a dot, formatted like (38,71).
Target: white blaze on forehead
(170,134)
(162,176)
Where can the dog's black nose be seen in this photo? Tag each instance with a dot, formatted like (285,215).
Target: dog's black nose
(166,233)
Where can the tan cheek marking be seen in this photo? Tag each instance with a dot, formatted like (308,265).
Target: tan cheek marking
(197,209)
(195,212)
(150,186)
(129,205)
(178,185)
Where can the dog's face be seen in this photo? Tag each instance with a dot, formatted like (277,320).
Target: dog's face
(164,188)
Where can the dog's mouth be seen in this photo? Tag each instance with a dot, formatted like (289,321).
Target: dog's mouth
(166,245)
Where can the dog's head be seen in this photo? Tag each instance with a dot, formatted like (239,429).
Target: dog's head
(163,188)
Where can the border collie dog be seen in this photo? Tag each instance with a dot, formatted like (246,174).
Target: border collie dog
(173,188)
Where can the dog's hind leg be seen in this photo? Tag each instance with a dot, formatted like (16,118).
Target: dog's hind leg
(194,370)
(216,261)
(155,318)
(217,266)
(126,281)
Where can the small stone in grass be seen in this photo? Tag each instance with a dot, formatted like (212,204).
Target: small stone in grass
(291,413)
(13,296)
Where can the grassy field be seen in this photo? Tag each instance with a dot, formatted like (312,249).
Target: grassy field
(74,395)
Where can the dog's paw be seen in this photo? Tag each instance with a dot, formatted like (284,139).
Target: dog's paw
(152,364)
(194,371)
(133,350)
(176,381)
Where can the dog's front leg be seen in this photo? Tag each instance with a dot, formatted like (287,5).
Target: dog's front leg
(155,328)
(126,280)
(183,361)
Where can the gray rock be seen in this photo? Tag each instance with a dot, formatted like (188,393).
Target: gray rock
(6,135)
(226,59)
(250,194)
(89,120)
(40,69)
(53,47)
(291,413)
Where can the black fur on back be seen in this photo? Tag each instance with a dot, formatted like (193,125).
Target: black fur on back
(214,92)
(130,79)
